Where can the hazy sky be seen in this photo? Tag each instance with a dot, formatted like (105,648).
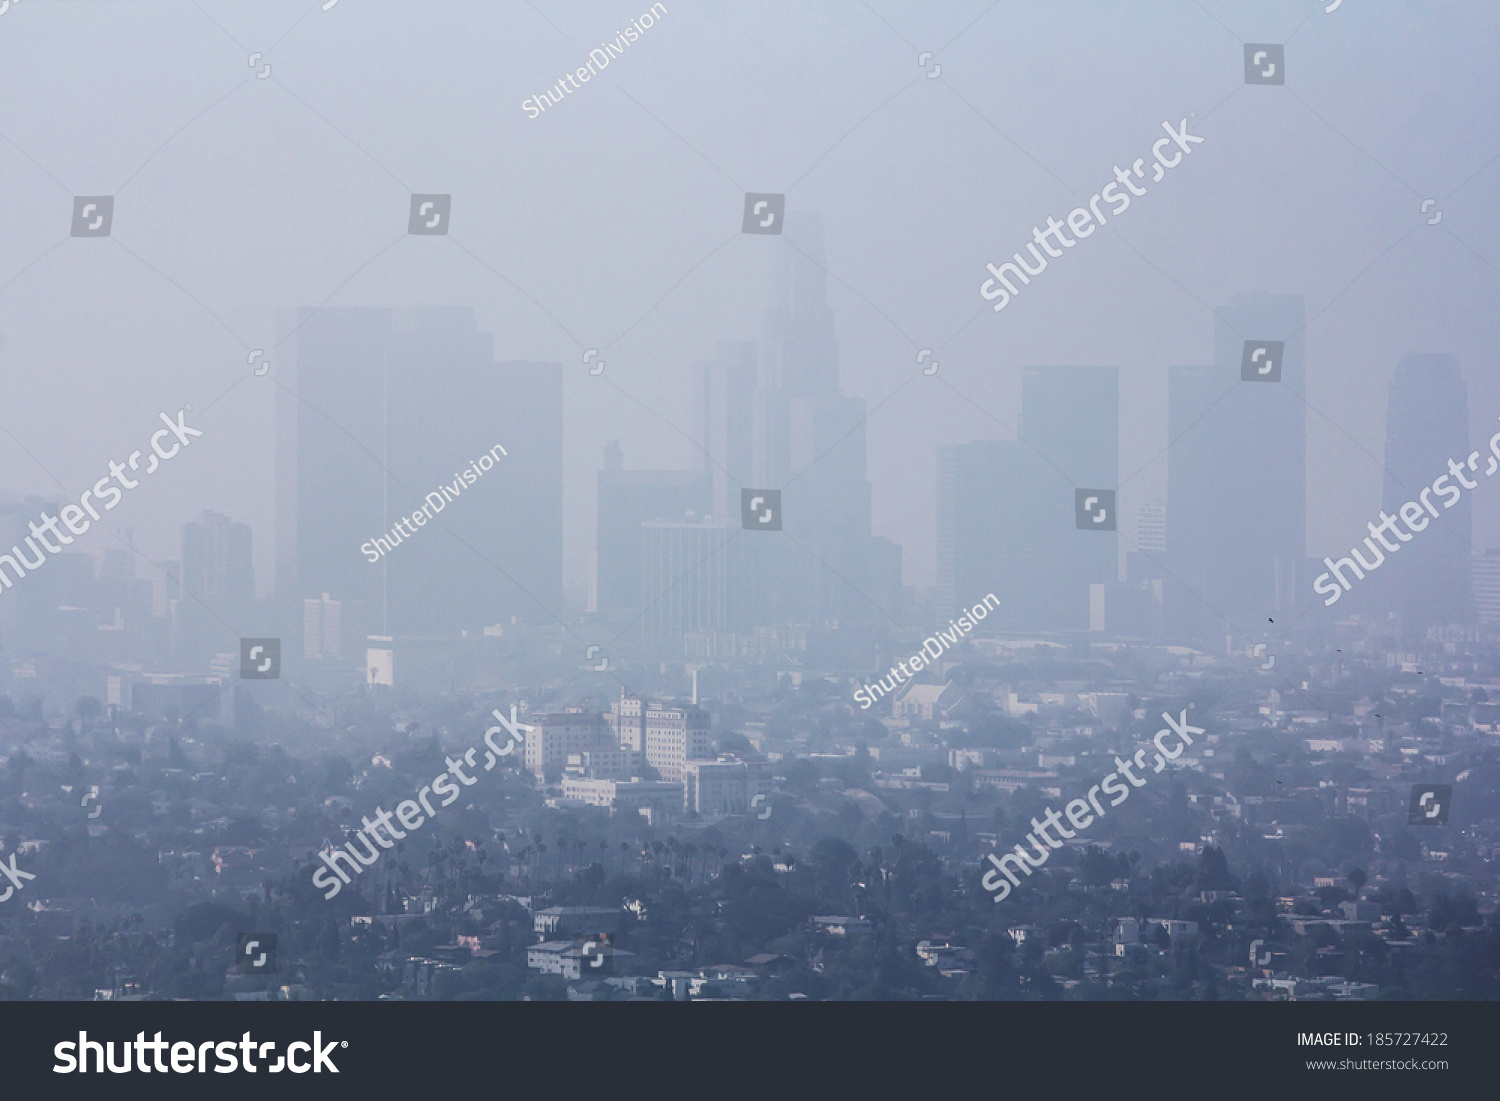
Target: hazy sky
(618,212)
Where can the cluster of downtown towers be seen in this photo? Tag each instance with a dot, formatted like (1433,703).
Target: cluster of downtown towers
(417,394)
(672,559)
(1229,550)
(379,406)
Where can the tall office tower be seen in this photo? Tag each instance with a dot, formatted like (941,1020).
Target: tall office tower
(1485,584)
(728,385)
(1070,427)
(322,634)
(1151,528)
(378,411)
(1236,475)
(626,500)
(28,606)
(218,585)
(216,567)
(812,447)
(166,587)
(699,575)
(981,499)
(1426,424)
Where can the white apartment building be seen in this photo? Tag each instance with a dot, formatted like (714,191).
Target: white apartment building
(627,718)
(604,764)
(559,733)
(674,736)
(724,786)
(627,795)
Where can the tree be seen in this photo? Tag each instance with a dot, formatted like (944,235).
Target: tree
(1213,871)
(831,859)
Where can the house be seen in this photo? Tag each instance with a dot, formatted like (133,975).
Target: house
(1126,933)
(839,925)
(575,920)
(926,702)
(573,958)
(947,958)
(1019,933)
(1175,929)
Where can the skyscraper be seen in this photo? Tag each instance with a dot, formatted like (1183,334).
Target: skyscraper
(216,565)
(1426,424)
(322,628)
(1236,474)
(728,384)
(626,500)
(699,575)
(377,411)
(1151,528)
(812,446)
(1484,581)
(981,495)
(1070,426)
(218,586)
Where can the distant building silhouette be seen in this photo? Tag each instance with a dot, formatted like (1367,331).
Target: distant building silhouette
(1070,428)
(811,445)
(626,500)
(216,562)
(218,587)
(1484,576)
(1151,528)
(378,409)
(1236,475)
(699,575)
(980,490)
(728,386)
(1426,424)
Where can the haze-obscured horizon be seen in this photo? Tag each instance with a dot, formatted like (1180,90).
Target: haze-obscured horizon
(613,221)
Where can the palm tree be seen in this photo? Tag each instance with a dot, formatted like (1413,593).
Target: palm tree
(690,850)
